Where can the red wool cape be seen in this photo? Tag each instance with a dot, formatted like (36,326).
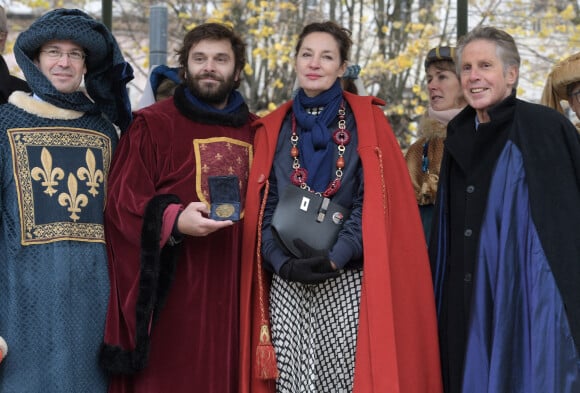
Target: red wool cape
(397,347)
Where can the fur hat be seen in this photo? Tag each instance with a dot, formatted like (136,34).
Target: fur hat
(107,71)
(564,73)
(440,53)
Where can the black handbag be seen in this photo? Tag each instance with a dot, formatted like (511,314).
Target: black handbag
(312,218)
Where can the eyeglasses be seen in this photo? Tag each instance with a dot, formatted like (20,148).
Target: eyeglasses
(75,55)
(576,96)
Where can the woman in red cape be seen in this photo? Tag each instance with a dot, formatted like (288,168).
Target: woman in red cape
(396,343)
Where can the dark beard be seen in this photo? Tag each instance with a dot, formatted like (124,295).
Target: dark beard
(210,95)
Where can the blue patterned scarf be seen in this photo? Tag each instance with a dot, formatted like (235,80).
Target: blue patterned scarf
(315,143)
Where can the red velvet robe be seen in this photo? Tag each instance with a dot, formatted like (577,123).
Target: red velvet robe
(397,346)
(194,343)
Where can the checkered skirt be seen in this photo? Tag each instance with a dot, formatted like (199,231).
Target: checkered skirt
(314,330)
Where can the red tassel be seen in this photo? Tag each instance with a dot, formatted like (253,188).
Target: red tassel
(266,367)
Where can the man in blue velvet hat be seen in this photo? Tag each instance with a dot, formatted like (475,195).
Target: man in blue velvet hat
(56,146)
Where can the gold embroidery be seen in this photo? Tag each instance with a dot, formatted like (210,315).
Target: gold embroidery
(73,200)
(47,173)
(219,156)
(39,152)
(50,176)
(93,175)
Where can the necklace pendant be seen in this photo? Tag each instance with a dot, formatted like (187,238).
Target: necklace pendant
(341,137)
(299,176)
(332,188)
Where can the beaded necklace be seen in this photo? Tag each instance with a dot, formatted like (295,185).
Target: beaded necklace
(341,138)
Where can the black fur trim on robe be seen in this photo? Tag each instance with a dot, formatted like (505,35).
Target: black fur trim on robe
(198,115)
(156,275)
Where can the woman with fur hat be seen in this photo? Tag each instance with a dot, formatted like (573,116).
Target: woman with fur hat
(563,84)
(424,156)
(55,152)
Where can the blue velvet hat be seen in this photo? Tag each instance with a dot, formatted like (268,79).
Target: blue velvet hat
(107,71)
(161,72)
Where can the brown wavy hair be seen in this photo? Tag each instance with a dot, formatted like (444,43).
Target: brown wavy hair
(340,34)
(215,32)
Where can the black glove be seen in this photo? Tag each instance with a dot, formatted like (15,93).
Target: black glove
(308,270)
(313,268)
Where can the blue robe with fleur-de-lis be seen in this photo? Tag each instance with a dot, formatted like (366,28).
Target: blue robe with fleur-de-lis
(53,266)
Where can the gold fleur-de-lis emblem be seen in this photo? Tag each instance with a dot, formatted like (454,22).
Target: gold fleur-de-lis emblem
(72,200)
(47,173)
(93,175)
